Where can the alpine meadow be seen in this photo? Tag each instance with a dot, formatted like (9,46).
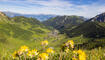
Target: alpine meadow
(52,30)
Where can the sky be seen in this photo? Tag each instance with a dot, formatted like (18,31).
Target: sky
(86,8)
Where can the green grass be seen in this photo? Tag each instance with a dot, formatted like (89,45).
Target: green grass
(9,43)
(14,44)
(28,31)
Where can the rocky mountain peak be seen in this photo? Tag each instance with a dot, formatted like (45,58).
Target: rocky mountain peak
(99,18)
(2,14)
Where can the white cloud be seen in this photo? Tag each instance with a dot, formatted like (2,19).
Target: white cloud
(54,3)
(90,10)
(58,7)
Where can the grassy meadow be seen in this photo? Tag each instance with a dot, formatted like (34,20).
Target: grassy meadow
(7,49)
(24,38)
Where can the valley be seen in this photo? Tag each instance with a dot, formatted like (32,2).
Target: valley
(87,35)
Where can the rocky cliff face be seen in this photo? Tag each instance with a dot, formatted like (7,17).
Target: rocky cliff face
(2,14)
(99,18)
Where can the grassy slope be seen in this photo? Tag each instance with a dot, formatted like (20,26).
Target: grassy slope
(13,35)
(26,31)
(88,29)
(14,44)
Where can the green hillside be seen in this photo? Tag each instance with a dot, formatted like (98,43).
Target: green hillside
(22,27)
(94,31)
(19,31)
(13,30)
(3,17)
(87,33)
(63,22)
(88,29)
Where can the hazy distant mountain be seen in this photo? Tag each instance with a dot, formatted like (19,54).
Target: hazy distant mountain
(41,17)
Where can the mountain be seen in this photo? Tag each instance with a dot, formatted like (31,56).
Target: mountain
(3,17)
(21,28)
(93,28)
(75,25)
(64,22)
(99,18)
(90,34)
(41,17)
(88,29)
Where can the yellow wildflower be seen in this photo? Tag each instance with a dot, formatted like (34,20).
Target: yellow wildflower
(29,54)
(43,56)
(50,50)
(35,52)
(70,43)
(44,43)
(67,50)
(15,54)
(74,59)
(82,55)
(20,52)
(32,53)
(75,52)
(24,48)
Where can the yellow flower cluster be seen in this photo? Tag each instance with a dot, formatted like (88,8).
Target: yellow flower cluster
(67,50)
(25,52)
(82,55)
(15,54)
(23,49)
(32,53)
(44,43)
(43,56)
(50,50)
(74,59)
(70,43)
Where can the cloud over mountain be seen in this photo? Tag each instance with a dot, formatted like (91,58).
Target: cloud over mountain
(88,8)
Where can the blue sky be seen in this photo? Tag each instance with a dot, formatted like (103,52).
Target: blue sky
(86,8)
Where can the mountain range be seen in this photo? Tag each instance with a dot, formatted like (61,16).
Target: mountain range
(71,25)
(41,17)
(63,22)
(76,26)
(99,18)
(21,27)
